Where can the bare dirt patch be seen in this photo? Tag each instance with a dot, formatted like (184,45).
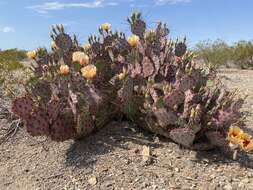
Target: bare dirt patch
(111,158)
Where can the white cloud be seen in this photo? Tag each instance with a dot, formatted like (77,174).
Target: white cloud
(56,5)
(50,6)
(163,2)
(7,29)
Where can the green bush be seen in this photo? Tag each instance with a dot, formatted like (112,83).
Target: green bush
(219,53)
(10,59)
(11,69)
(216,53)
(242,54)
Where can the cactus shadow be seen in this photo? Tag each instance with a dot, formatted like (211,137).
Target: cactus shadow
(217,157)
(112,139)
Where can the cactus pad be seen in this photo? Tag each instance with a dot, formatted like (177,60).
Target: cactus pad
(183,136)
(23,106)
(37,123)
(63,41)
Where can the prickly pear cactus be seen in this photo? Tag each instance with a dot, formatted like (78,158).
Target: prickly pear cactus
(148,78)
(69,88)
(176,98)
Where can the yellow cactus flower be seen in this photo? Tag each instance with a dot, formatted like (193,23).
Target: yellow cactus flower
(86,47)
(106,26)
(133,40)
(246,142)
(31,54)
(234,135)
(80,57)
(64,69)
(89,71)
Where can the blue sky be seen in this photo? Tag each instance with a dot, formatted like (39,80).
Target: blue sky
(25,24)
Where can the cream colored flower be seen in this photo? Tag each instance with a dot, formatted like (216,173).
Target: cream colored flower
(133,40)
(106,26)
(53,45)
(86,47)
(80,57)
(64,69)
(89,71)
(31,54)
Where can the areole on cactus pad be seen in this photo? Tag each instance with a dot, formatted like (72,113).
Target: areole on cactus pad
(147,78)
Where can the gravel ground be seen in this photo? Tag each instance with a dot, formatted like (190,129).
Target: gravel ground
(112,159)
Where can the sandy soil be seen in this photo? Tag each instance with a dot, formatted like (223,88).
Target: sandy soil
(111,159)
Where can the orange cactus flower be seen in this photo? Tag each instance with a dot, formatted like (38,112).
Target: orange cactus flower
(246,142)
(234,135)
(64,69)
(89,71)
(80,57)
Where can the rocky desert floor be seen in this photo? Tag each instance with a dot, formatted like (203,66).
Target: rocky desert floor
(112,159)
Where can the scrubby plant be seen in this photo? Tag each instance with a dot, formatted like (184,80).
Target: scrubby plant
(243,54)
(216,54)
(146,78)
(219,53)
(11,71)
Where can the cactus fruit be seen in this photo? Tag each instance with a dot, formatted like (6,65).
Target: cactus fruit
(146,78)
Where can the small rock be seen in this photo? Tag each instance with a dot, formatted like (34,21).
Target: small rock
(146,155)
(228,187)
(245,180)
(92,181)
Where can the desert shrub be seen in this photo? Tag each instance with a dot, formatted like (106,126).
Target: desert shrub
(242,54)
(219,53)
(145,78)
(12,70)
(10,59)
(216,53)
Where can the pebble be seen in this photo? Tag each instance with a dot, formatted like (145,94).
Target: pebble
(228,187)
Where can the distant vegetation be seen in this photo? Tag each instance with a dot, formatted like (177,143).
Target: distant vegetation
(10,59)
(10,63)
(219,53)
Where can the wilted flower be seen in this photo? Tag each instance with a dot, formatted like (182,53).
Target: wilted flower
(31,54)
(89,71)
(64,69)
(133,40)
(80,57)
(106,26)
